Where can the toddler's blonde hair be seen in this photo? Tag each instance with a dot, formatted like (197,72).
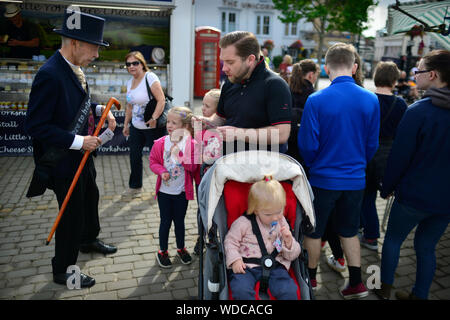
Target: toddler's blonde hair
(215,94)
(266,193)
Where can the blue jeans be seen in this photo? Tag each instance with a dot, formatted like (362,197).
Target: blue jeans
(281,285)
(137,140)
(430,228)
(369,215)
(171,208)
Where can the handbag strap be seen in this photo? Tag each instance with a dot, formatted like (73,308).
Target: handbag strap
(149,92)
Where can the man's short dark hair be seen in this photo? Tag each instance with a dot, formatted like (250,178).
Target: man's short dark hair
(386,74)
(439,60)
(245,43)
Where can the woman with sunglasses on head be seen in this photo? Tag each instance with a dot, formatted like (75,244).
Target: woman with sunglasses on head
(139,131)
(418,173)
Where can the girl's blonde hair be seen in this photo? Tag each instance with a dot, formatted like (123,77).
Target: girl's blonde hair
(266,193)
(186,117)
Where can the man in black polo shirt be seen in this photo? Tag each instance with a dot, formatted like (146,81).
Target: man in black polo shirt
(254,110)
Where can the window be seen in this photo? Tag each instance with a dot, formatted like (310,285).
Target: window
(290,29)
(262,25)
(229,21)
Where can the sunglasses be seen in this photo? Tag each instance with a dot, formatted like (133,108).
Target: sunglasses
(421,71)
(134,63)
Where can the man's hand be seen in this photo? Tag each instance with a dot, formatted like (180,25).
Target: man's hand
(238,266)
(111,121)
(14,43)
(231,133)
(90,143)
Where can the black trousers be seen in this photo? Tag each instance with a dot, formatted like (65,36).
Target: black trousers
(172,208)
(79,223)
(138,139)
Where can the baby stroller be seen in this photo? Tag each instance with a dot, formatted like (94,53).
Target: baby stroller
(223,196)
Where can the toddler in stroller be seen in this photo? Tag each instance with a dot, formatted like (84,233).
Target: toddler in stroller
(223,197)
(250,239)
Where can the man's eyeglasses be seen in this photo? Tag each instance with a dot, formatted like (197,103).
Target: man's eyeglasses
(421,71)
(134,63)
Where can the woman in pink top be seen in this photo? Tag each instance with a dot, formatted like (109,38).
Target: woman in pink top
(173,159)
(266,200)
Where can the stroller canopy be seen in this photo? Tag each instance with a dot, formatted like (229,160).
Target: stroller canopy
(252,166)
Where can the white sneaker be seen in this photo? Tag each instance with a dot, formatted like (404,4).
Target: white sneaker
(337,265)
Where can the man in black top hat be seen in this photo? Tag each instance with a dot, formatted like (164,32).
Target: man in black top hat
(57,119)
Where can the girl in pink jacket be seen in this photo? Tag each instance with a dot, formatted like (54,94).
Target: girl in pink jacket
(173,159)
(266,200)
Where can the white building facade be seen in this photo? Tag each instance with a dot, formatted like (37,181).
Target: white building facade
(257,16)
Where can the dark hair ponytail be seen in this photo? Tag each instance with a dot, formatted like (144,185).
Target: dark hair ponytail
(297,82)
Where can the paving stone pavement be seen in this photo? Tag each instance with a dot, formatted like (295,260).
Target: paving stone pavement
(131,223)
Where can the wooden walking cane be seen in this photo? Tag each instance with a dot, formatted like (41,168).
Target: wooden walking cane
(81,166)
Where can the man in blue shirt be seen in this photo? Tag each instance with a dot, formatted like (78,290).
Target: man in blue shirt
(338,136)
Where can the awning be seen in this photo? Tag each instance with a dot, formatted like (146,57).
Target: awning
(430,12)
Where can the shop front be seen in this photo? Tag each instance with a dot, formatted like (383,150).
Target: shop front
(142,25)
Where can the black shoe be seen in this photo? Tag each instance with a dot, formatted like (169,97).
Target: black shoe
(163,259)
(85,280)
(98,246)
(184,256)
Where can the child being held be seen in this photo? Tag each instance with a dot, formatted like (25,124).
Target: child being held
(208,140)
(211,141)
(266,201)
(172,159)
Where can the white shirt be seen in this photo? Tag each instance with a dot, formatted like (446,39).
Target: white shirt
(138,98)
(175,184)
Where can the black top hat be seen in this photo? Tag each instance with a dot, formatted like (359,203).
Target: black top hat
(84,27)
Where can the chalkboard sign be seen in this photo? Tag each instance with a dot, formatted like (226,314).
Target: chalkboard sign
(15,142)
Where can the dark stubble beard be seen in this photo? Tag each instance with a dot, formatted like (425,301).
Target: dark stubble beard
(242,74)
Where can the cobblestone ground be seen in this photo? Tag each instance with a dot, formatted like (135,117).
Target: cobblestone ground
(131,223)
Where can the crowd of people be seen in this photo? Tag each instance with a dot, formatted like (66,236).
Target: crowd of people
(351,142)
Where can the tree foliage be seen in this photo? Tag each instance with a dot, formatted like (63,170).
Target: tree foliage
(341,15)
(326,15)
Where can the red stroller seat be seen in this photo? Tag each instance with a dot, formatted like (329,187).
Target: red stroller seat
(236,196)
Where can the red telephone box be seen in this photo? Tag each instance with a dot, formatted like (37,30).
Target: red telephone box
(207,65)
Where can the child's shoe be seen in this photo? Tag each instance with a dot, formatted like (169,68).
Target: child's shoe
(314,284)
(184,256)
(163,259)
(337,265)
